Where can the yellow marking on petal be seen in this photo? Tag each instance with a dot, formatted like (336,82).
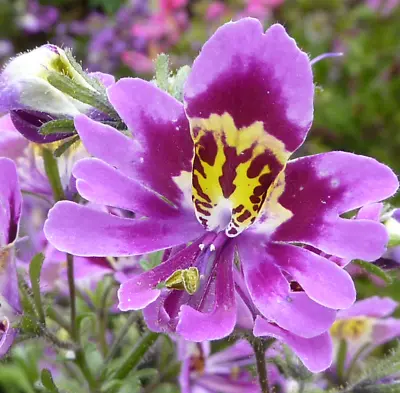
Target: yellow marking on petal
(224,156)
(353,329)
(184,280)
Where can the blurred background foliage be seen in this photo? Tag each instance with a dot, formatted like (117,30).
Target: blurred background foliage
(357,96)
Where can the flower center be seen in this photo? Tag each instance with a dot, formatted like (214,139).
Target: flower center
(234,171)
(352,329)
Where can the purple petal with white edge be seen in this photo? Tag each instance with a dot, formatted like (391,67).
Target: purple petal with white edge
(321,187)
(102,183)
(156,317)
(254,77)
(12,143)
(374,306)
(214,383)
(270,292)
(6,339)
(322,280)
(10,201)
(239,353)
(140,291)
(316,353)
(82,231)
(106,143)
(9,292)
(164,148)
(370,212)
(385,330)
(195,325)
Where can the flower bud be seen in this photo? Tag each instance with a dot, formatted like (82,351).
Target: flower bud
(45,84)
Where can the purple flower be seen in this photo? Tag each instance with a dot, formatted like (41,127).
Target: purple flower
(10,212)
(211,180)
(37,18)
(222,372)
(366,325)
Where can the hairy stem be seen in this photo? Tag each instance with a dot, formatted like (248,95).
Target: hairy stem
(260,346)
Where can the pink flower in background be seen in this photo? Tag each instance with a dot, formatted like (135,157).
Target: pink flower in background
(215,10)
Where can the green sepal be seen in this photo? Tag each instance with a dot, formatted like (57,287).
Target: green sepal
(62,126)
(374,269)
(81,93)
(65,146)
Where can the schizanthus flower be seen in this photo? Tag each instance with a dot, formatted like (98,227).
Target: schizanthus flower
(211,181)
(366,325)
(225,371)
(10,212)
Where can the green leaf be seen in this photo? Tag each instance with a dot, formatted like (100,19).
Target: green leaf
(179,81)
(374,269)
(47,381)
(58,127)
(65,146)
(162,71)
(35,268)
(51,168)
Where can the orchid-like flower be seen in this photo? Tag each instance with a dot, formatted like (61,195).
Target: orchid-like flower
(32,100)
(211,180)
(222,372)
(365,326)
(10,212)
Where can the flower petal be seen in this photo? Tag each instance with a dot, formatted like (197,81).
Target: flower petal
(316,353)
(10,201)
(270,291)
(6,340)
(320,188)
(101,183)
(12,143)
(82,231)
(249,101)
(254,77)
(385,330)
(198,326)
(374,306)
(140,291)
(163,147)
(322,280)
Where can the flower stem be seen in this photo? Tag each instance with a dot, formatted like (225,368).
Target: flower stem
(72,295)
(134,358)
(260,346)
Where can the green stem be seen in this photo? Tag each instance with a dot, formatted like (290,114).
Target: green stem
(134,358)
(260,346)
(51,168)
(72,295)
